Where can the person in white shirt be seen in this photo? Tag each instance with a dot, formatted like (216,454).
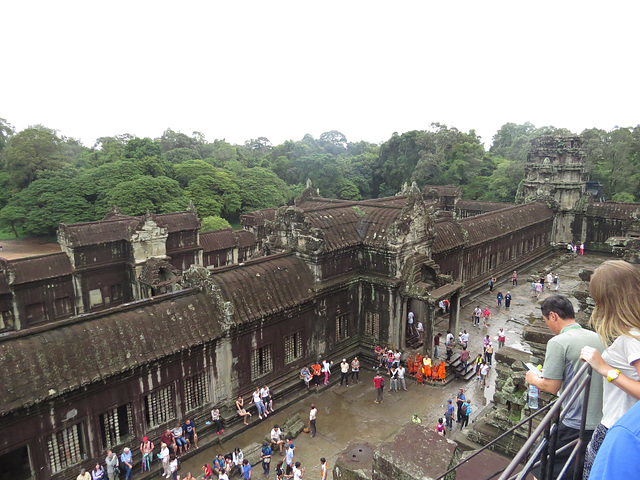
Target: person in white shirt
(344,372)
(276,437)
(465,339)
(257,400)
(484,371)
(410,323)
(326,368)
(164,459)
(401,370)
(313,413)
(549,280)
(298,471)
(419,329)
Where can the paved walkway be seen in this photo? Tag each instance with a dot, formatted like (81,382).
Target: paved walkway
(345,414)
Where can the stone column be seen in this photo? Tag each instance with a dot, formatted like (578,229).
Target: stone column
(404,310)
(454,313)
(430,317)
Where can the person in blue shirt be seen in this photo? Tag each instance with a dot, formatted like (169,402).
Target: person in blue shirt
(618,454)
(126,461)
(246,469)
(218,463)
(449,414)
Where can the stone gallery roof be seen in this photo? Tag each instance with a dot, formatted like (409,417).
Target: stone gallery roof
(258,217)
(490,225)
(225,239)
(245,238)
(264,286)
(360,223)
(217,240)
(481,206)
(449,235)
(115,227)
(103,231)
(177,222)
(47,361)
(41,267)
(613,210)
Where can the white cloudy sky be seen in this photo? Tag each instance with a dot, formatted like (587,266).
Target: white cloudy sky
(280,69)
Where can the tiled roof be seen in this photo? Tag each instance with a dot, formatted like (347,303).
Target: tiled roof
(490,225)
(264,286)
(45,362)
(449,235)
(117,227)
(225,239)
(613,210)
(481,206)
(32,269)
(179,221)
(245,238)
(217,240)
(345,226)
(258,217)
(93,233)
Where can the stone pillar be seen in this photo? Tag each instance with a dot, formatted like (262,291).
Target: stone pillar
(454,313)
(427,348)
(404,310)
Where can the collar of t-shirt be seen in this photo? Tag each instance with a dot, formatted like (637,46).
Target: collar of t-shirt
(571,326)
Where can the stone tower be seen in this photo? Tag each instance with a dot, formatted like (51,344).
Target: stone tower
(555,173)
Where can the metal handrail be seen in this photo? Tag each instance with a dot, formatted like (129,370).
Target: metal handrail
(545,427)
(497,439)
(548,428)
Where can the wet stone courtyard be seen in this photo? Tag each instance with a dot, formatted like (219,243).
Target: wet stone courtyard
(350,414)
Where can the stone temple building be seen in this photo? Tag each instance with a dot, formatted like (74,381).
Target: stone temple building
(142,321)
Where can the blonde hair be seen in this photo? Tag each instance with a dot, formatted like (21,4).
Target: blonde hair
(615,287)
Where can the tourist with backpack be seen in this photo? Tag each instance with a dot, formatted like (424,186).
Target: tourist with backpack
(465,410)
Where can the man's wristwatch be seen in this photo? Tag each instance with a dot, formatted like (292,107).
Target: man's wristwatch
(612,374)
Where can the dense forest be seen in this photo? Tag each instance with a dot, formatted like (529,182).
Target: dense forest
(47,178)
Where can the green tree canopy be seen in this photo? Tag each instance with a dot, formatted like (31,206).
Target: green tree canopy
(45,203)
(30,152)
(261,188)
(211,223)
(158,195)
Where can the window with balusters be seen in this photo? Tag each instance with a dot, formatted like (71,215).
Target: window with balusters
(65,448)
(160,406)
(116,426)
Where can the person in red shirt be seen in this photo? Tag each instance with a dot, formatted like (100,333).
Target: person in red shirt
(169,439)
(378,382)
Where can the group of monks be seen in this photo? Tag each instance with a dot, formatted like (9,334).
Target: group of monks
(424,369)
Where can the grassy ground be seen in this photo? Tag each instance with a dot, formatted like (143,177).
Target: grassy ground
(7,234)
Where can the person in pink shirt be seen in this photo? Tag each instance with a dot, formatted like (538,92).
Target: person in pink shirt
(486,314)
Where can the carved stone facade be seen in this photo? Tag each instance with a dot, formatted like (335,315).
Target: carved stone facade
(556,174)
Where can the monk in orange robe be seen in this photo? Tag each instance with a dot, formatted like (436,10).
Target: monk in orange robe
(426,369)
(418,364)
(435,372)
(420,377)
(410,365)
(442,371)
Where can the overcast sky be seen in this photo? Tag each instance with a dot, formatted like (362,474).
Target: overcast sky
(279,69)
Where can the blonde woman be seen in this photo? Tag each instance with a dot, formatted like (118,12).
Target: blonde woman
(615,288)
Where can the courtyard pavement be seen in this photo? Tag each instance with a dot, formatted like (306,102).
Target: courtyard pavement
(347,414)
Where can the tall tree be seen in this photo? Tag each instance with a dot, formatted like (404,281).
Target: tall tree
(31,151)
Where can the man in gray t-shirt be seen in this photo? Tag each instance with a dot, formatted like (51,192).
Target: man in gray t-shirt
(561,363)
